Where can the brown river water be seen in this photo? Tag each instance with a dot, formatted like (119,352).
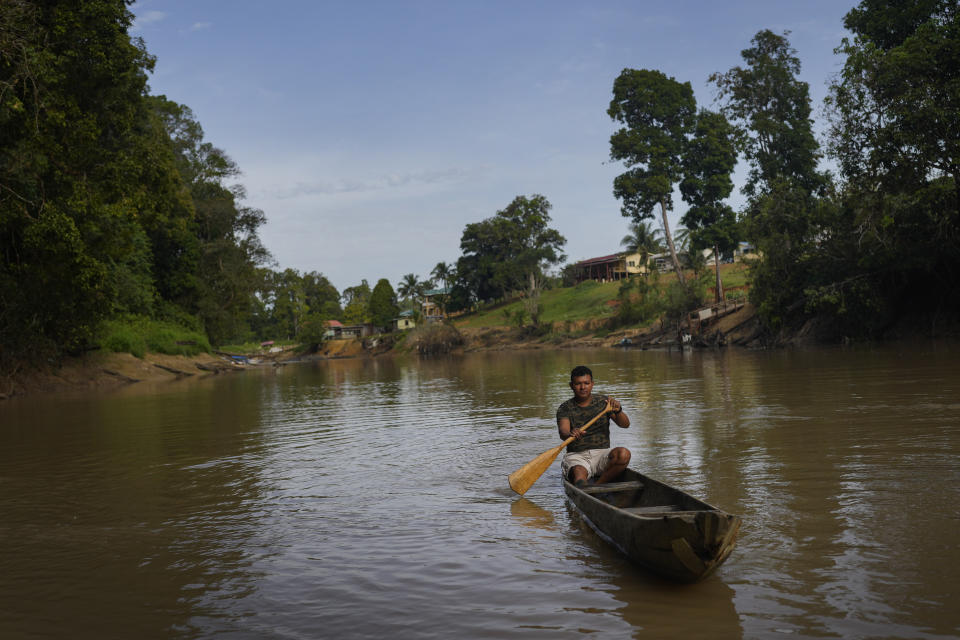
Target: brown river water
(369,499)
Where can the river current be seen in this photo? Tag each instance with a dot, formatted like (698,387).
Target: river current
(368,498)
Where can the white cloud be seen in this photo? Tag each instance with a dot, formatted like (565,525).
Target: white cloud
(199,26)
(148,17)
(382,182)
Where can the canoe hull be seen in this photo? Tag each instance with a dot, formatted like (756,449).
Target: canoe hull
(657,526)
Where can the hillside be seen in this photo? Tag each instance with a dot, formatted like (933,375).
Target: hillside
(584,304)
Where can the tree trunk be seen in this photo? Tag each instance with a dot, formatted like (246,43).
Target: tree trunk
(533,299)
(669,237)
(716,264)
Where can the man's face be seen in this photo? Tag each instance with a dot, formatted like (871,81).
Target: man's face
(582,387)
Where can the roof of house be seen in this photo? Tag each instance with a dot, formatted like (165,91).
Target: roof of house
(406,314)
(601,260)
(334,323)
(435,292)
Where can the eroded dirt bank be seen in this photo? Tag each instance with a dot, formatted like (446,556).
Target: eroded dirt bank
(104,371)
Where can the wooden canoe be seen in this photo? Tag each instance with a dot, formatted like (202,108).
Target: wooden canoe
(661,528)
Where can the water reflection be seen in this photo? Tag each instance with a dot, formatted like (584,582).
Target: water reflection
(368,498)
(125,514)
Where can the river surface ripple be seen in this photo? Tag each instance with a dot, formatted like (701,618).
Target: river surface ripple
(368,499)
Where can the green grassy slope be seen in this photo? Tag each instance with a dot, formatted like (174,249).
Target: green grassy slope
(584,301)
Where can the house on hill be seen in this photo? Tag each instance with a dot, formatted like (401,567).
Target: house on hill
(432,307)
(613,267)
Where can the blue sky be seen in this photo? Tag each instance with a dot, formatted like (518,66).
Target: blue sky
(371,133)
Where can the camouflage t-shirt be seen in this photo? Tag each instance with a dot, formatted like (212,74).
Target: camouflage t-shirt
(598,435)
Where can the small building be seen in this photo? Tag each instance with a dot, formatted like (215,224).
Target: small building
(405,320)
(745,250)
(334,330)
(358,330)
(662,262)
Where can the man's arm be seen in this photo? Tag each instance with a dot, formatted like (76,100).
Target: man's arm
(563,428)
(618,416)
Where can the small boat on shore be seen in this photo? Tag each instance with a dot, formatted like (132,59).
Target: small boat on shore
(659,527)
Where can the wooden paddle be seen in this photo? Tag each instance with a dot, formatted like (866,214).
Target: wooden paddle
(524,477)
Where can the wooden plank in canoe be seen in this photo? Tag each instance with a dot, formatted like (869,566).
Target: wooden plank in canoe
(662,508)
(612,487)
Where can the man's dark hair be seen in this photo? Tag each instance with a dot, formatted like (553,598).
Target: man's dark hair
(580,371)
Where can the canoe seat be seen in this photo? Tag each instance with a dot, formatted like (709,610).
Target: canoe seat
(613,487)
(662,508)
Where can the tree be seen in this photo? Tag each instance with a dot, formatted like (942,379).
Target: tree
(771,108)
(410,289)
(320,295)
(657,113)
(84,176)
(382,308)
(442,272)
(356,303)
(894,242)
(230,250)
(895,107)
(511,250)
(708,161)
(643,238)
(289,303)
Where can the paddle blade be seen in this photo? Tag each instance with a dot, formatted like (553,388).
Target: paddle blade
(524,477)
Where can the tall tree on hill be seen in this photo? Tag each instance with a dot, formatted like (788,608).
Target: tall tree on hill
(442,272)
(511,250)
(410,289)
(657,113)
(382,307)
(356,303)
(772,108)
(708,161)
(320,295)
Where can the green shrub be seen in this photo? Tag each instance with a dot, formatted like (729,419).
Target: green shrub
(137,335)
(122,338)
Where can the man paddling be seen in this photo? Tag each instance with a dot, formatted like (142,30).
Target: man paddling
(590,456)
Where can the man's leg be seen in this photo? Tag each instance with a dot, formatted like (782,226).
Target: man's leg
(578,475)
(618,460)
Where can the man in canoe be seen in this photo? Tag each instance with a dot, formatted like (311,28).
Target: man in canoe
(590,456)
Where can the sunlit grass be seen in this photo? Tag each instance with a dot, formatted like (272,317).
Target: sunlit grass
(585,301)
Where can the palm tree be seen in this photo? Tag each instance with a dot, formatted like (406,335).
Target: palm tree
(682,237)
(644,239)
(442,272)
(410,287)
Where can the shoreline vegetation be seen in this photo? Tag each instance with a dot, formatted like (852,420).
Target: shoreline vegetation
(591,324)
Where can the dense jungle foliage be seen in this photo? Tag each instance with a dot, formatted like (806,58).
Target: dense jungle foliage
(112,205)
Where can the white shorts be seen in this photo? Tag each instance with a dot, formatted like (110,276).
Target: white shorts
(595,461)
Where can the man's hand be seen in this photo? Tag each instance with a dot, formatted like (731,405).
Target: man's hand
(613,404)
